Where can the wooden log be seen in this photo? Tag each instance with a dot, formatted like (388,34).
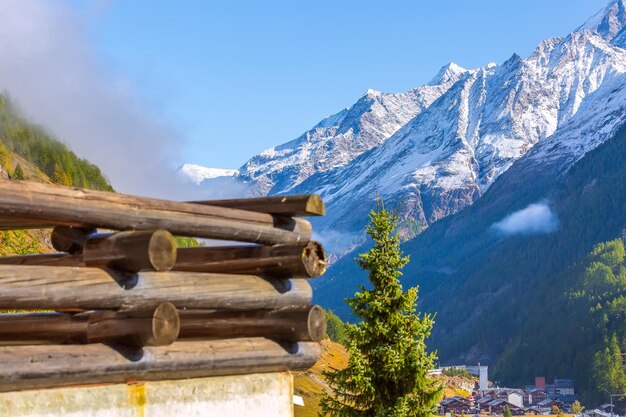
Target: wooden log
(289,324)
(157,326)
(30,367)
(124,251)
(47,259)
(291,205)
(141,327)
(131,251)
(70,239)
(41,287)
(44,205)
(280,261)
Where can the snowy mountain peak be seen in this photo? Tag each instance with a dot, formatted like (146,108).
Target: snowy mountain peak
(197,173)
(608,22)
(447,73)
(371,93)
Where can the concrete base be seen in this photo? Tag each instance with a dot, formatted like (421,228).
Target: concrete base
(256,395)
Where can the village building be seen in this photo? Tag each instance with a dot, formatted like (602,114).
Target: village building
(456,405)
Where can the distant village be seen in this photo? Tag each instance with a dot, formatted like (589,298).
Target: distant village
(537,399)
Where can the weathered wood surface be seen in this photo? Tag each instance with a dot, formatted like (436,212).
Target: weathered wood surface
(131,251)
(41,287)
(46,259)
(70,239)
(29,367)
(42,205)
(289,324)
(292,205)
(157,326)
(279,261)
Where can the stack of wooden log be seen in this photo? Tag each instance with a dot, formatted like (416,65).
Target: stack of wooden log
(128,305)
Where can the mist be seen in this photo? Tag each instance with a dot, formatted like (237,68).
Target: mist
(51,72)
(535,219)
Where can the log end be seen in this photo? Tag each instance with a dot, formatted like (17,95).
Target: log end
(315,206)
(165,326)
(70,239)
(162,250)
(314,259)
(316,323)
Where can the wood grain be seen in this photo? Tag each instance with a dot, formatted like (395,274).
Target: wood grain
(132,251)
(42,287)
(157,326)
(42,205)
(289,205)
(70,239)
(289,324)
(279,261)
(30,367)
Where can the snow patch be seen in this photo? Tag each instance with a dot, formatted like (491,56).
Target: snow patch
(198,173)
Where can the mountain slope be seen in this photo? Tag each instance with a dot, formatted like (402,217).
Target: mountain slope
(438,148)
(32,143)
(450,154)
(339,138)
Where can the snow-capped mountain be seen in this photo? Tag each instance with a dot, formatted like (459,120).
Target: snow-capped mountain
(338,139)
(198,173)
(436,149)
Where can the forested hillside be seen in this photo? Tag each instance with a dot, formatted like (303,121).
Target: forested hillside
(21,139)
(28,152)
(581,329)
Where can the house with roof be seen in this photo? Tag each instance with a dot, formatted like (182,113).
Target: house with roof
(498,405)
(536,395)
(597,413)
(539,411)
(457,405)
(564,386)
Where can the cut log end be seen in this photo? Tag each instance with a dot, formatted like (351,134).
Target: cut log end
(162,250)
(315,205)
(317,323)
(314,259)
(165,326)
(132,251)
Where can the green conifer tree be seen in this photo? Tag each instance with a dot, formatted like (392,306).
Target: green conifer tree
(18,173)
(387,372)
(507,411)
(335,328)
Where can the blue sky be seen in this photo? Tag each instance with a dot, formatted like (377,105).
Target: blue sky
(235,77)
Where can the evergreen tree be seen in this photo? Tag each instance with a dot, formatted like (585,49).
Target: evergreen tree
(507,411)
(18,173)
(608,369)
(387,372)
(335,328)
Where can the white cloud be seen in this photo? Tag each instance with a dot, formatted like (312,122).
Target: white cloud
(537,218)
(49,68)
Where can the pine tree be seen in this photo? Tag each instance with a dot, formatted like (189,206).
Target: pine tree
(18,173)
(335,328)
(507,411)
(387,372)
